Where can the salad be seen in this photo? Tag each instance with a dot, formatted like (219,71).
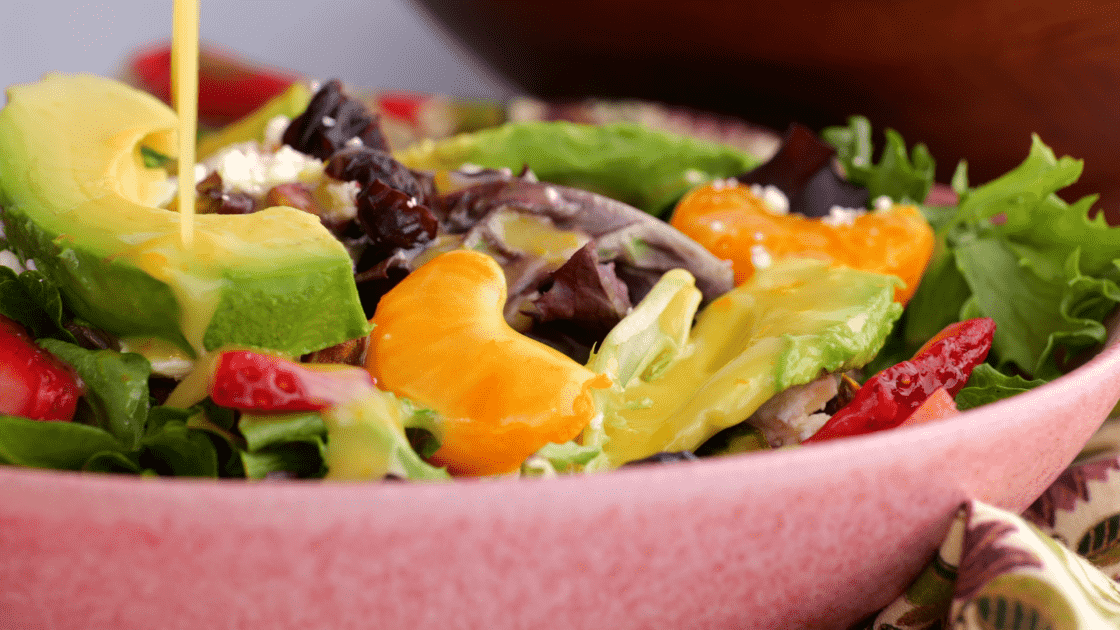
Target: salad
(531,299)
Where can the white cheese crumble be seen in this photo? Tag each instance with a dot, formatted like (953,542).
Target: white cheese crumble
(10,260)
(246,168)
(775,200)
(760,257)
(274,131)
(722,184)
(693,176)
(343,198)
(842,217)
(883,202)
(552,195)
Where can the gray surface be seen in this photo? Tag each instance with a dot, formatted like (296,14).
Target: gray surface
(371,43)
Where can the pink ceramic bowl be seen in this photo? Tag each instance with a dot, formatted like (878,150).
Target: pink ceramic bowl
(813,537)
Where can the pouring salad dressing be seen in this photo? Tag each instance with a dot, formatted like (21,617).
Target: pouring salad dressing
(505,302)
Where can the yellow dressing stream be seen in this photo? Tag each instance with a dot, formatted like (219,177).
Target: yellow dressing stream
(184,82)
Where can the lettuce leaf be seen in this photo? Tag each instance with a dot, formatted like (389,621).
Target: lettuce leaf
(116,389)
(34,301)
(643,167)
(987,385)
(61,445)
(368,441)
(902,177)
(299,459)
(1040,267)
(553,459)
(292,443)
(261,431)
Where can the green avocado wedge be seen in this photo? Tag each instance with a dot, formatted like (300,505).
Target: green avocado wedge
(645,168)
(787,325)
(79,201)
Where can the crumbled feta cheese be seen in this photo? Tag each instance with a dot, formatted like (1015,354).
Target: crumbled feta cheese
(760,257)
(693,176)
(552,195)
(9,259)
(274,131)
(883,202)
(775,200)
(842,217)
(328,121)
(246,168)
(342,193)
(354,142)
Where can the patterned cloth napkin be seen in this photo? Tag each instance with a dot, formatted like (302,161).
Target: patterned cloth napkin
(1055,567)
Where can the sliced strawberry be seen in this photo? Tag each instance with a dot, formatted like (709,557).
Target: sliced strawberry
(251,381)
(33,383)
(228,87)
(938,406)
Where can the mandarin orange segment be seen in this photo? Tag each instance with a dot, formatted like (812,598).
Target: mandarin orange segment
(440,339)
(734,224)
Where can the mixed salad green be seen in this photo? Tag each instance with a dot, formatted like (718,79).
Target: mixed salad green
(549,326)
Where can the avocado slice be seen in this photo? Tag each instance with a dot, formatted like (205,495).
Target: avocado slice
(643,167)
(785,326)
(79,201)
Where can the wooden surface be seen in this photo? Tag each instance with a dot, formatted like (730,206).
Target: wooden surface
(971,79)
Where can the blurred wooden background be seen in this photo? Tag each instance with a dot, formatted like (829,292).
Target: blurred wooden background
(970,78)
